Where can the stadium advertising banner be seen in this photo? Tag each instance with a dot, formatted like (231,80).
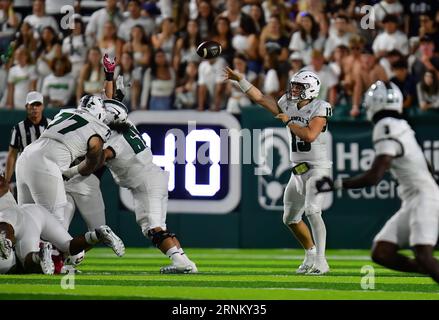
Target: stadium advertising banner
(227,178)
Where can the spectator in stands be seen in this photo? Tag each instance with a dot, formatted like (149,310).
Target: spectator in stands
(391,38)
(75,46)
(210,84)
(258,17)
(222,33)
(95,26)
(413,11)
(246,42)
(369,71)
(235,15)
(328,79)
(205,19)
(26,38)
(389,59)
(307,38)
(386,7)
(351,62)
(48,49)
(59,86)
(428,59)
(134,19)
(165,39)
(9,22)
(428,91)
(238,99)
(276,72)
(405,82)
(186,93)
(91,79)
(273,33)
(340,36)
(428,27)
(276,8)
(140,47)
(186,48)
(109,43)
(38,19)
(158,83)
(22,78)
(132,77)
(296,64)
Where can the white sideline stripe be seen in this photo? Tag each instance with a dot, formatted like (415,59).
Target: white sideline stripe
(236,256)
(217,287)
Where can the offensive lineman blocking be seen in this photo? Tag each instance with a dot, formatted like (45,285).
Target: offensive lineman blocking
(306,120)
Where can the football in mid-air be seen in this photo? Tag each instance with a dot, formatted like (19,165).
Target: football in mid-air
(209,49)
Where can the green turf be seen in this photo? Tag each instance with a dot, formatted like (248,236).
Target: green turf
(224,274)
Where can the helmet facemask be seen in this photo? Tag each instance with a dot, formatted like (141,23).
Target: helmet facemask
(296,91)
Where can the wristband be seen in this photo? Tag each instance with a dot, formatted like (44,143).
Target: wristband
(70,172)
(244,85)
(338,184)
(109,76)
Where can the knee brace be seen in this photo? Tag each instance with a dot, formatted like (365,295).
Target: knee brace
(157,237)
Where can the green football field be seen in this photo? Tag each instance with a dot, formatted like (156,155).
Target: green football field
(224,274)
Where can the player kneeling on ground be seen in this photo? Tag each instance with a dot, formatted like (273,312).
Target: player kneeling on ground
(417,221)
(21,228)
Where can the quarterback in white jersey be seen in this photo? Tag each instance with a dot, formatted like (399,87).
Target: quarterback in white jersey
(130,162)
(306,121)
(23,226)
(416,224)
(71,134)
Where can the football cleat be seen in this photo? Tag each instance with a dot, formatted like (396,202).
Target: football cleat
(109,238)
(306,264)
(187,268)
(5,246)
(319,268)
(46,262)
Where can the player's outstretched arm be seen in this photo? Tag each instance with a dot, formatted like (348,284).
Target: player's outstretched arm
(252,92)
(94,159)
(369,178)
(109,67)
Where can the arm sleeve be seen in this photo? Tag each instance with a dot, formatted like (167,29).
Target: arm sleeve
(388,146)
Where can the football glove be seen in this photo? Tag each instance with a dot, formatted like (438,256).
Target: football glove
(326,184)
(109,66)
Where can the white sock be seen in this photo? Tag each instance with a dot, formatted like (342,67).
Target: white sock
(183,255)
(91,237)
(311,251)
(36,257)
(318,233)
(174,254)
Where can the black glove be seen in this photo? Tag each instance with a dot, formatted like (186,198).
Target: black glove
(325,184)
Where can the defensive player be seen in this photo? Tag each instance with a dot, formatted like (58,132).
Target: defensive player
(23,226)
(417,221)
(306,120)
(130,162)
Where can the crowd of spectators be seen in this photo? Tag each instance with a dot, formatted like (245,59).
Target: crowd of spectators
(154,42)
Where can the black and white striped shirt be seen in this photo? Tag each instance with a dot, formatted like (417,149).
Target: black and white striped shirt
(25,132)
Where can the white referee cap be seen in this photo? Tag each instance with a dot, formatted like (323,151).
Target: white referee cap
(34,96)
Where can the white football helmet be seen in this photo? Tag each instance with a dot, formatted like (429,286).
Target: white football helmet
(93,105)
(382,96)
(310,82)
(117,112)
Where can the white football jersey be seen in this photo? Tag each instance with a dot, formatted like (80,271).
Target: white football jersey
(314,153)
(409,167)
(74,128)
(132,159)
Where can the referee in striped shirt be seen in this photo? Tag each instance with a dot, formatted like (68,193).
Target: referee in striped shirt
(26,131)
